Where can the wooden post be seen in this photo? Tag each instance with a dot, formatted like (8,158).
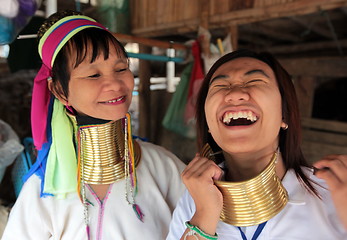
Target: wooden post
(234,32)
(144,95)
(204,23)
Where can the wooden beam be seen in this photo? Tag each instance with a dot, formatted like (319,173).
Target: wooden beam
(325,125)
(148,42)
(315,151)
(332,67)
(324,136)
(299,7)
(167,29)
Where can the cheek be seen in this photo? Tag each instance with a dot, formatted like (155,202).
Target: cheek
(278,105)
(210,115)
(273,108)
(129,81)
(79,93)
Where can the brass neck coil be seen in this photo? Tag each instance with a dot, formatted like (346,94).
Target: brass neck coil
(101,150)
(253,201)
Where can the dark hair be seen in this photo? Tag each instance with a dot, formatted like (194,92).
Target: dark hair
(94,40)
(289,140)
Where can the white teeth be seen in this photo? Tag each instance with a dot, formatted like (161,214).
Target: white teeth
(236,115)
(114,101)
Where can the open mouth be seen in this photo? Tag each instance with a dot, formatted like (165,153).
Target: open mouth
(241,118)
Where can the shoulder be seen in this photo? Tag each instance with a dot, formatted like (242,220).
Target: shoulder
(151,148)
(159,156)
(32,186)
(296,186)
(161,169)
(319,184)
(299,193)
(303,203)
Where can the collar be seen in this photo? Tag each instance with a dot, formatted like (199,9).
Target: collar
(296,192)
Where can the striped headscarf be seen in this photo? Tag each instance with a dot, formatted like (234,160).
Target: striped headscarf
(53,164)
(49,46)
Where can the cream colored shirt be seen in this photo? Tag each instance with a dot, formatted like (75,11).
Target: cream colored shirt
(305,217)
(159,188)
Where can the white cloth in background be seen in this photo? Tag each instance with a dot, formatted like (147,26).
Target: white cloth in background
(159,188)
(305,217)
(9,8)
(3,218)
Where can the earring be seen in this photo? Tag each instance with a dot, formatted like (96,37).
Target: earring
(285,127)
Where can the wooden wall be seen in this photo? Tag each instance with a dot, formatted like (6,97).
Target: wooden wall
(153,18)
(162,18)
(320,137)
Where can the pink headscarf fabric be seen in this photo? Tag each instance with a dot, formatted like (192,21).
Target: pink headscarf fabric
(50,44)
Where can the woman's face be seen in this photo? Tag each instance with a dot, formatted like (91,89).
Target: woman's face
(102,89)
(243,107)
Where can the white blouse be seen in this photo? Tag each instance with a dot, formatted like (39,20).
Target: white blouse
(305,217)
(159,188)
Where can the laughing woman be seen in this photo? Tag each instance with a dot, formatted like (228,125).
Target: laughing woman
(91,180)
(250,180)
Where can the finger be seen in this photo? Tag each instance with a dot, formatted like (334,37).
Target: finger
(331,179)
(204,174)
(192,163)
(193,166)
(336,166)
(211,170)
(342,158)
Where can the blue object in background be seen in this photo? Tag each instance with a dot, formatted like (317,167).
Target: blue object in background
(22,164)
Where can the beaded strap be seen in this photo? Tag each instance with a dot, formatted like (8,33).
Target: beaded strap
(196,231)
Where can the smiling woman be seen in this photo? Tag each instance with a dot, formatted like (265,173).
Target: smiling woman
(91,179)
(250,179)
(102,88)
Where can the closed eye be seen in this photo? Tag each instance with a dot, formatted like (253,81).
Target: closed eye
(222,86)
(122,70)
(254,81)
(94,76)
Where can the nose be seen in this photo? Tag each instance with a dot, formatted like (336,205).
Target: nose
(236,94)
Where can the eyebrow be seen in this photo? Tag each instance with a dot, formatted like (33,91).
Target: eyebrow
(254,71)
(218,77)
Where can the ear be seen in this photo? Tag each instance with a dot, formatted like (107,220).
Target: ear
(56,90)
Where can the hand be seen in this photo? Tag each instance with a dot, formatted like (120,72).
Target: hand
(333,169)
(199,178)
